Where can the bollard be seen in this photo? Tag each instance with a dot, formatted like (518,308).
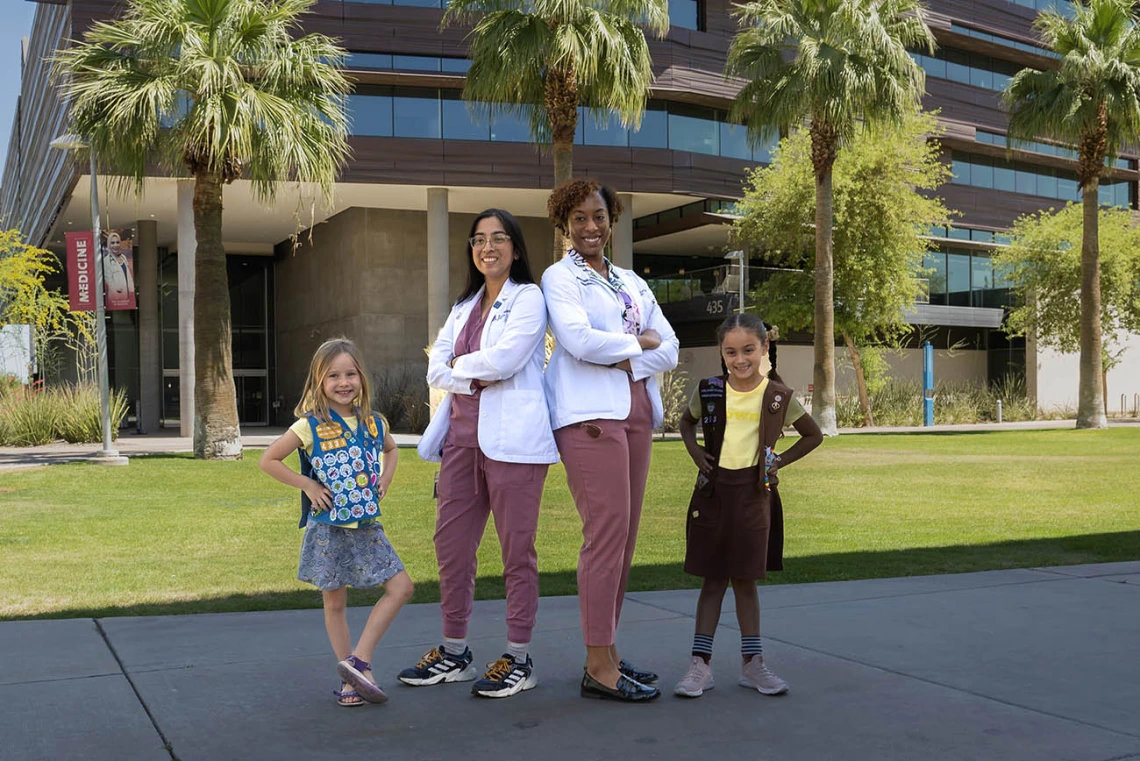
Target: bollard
(999,410)
(928,384)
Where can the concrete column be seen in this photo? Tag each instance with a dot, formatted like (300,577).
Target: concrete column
(437,261)
(150,331)
(623,233)
(187,251)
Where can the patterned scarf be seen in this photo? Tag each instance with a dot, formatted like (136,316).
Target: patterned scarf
(630,314)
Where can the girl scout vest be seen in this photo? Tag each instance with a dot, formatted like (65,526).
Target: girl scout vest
(713,408)
(348,464)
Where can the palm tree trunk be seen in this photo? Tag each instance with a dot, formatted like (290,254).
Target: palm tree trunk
(1090,394)
(861,380)
(561,100)
(216,432)
(823,368)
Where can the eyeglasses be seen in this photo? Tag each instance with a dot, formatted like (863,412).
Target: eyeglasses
(498,240)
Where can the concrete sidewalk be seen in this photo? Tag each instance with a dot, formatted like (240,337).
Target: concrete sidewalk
(1031,664)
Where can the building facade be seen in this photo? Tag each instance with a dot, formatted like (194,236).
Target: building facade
(383,262)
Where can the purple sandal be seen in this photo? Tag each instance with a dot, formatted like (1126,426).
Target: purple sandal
(351,670)
(342,698)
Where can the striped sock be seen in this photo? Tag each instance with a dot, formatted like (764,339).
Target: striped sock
(454,646)
(702,646)
(750,646)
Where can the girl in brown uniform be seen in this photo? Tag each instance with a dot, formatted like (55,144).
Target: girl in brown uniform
(734,530)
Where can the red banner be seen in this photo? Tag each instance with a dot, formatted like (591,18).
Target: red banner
(119,269)
(81,263)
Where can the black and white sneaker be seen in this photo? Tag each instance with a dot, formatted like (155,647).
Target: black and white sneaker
(438,665)
(505,677)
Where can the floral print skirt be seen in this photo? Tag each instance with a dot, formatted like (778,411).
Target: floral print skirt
(334,557)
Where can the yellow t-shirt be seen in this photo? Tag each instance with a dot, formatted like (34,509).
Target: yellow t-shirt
(304,432)
(743,411)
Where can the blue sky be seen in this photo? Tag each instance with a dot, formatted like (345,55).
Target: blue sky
(15,23)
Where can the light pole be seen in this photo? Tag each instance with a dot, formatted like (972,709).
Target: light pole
(741,286)
(109,455)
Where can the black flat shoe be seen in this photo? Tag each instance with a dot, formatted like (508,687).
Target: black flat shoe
(627,690)
(636,674)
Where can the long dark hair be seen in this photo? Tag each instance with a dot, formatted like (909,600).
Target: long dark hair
(758,328)
(520,267)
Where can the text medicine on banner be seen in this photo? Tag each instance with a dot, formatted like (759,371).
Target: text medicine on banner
(81,263)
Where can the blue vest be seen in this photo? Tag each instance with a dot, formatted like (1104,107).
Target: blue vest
(348,464)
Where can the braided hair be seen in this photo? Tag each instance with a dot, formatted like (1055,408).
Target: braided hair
(758,328)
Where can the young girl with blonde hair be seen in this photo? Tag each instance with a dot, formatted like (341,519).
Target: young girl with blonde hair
(348,460)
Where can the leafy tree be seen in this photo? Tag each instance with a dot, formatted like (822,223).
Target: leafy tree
(542,59)
(879,224)
(26,300)
(829,64)
(1045,262)
(1092,100)
(220,89)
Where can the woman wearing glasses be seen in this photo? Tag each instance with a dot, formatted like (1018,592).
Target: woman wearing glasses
(611,339)
(492,436)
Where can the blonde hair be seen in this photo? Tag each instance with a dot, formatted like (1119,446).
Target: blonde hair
(313,400)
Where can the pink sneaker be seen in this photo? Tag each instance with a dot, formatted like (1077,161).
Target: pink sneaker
(756,675)
(696,680)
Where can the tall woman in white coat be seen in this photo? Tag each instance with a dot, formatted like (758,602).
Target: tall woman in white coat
(611,339)
(492,434)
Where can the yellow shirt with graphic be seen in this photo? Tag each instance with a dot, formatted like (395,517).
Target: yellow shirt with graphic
(743,411)
(304,432)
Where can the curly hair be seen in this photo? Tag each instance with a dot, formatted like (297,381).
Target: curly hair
(570,194)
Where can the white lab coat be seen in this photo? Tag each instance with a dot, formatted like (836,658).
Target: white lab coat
(514,424)
(586,319)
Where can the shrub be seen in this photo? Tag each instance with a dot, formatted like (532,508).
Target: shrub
(81,418)
(30,420)
(673,400)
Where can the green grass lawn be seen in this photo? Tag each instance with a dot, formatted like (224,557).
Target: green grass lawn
(168,534)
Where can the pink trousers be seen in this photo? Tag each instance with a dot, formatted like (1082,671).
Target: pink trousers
(471,487)
(606,474)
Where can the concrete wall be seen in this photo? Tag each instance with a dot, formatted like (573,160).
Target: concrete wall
(1059,374)
(794,364)
(364,275)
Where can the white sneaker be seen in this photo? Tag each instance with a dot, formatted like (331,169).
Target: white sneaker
(696,680)
(756,675)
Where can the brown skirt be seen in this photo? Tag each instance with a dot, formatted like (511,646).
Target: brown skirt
(734,528)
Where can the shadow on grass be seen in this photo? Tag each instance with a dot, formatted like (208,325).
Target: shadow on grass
(841,566)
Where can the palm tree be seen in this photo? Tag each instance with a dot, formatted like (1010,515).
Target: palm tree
(829,64)
(542,59)
(219,89)
(1092,100)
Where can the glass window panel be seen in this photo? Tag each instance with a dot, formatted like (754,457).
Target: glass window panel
(1000,80)
(982,172)
(687,133)
(510,128)
(935,261)
(957,66)
(683,13)
(1047,185)
(419,3)
(460,124)
(960,168)
(368,61)
(958,233)
(1026,179)
(415,63)
(1004,177)
(609,132)
(459,65)
(1067,189)
(935,67)
(981,71)
(764,152)
(417,115)
(982,278)
(734,141)
(958,280)
(370,115)
(654,131)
